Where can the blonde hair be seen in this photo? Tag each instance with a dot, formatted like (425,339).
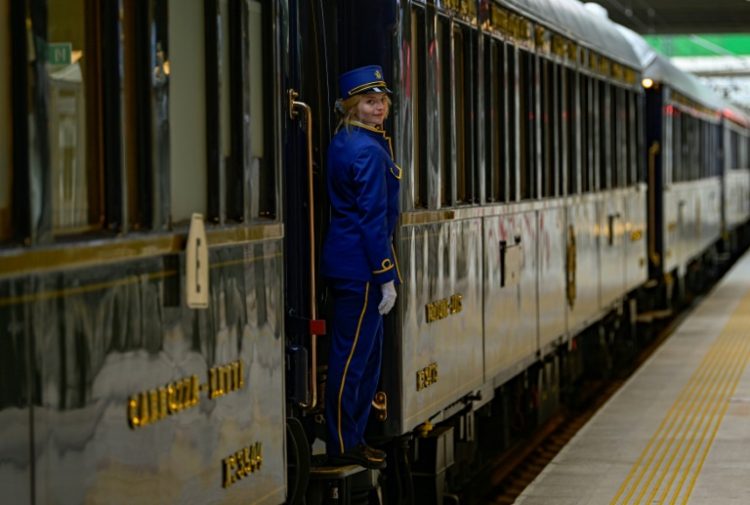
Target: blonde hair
(346,109)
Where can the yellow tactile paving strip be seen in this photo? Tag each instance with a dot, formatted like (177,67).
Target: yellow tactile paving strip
(668,467)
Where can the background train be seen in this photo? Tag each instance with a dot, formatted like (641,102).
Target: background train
(560,180)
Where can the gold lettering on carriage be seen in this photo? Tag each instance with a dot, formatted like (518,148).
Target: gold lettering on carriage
(427,376)
(150,406)
(440,309)
(242,463)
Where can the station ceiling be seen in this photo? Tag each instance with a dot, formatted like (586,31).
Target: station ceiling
(680,16)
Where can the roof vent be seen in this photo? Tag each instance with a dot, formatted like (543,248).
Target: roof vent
(596,10)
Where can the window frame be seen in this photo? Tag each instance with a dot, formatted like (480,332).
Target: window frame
(573,132)
(463,103)
(526,102)
(418,37)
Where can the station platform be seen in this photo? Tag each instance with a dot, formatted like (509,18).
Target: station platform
(678,431)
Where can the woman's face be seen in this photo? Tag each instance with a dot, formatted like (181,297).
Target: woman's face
(372,109)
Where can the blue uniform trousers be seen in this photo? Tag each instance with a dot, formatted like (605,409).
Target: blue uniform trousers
(353,362)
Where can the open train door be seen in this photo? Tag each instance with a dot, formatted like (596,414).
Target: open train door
(309,92)
(324,39)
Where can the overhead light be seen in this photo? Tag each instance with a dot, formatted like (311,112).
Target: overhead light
(648,83)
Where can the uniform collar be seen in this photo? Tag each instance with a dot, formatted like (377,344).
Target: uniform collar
(359,124)
(376,131)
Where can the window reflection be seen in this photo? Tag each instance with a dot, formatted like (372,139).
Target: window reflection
(265,195)
(187,110)
(459,103)
(74,124)
(6,141)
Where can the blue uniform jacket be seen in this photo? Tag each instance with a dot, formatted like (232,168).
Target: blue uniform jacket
(363,186)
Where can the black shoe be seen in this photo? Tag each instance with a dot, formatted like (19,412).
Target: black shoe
(358,455)
(375,453)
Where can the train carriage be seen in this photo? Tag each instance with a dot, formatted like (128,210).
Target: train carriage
(514,235)
(683,142)
(736,175)
(141,254)
(162,208)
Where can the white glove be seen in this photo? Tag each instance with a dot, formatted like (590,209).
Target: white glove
(389,298)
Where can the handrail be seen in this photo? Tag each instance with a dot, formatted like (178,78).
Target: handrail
(293,113)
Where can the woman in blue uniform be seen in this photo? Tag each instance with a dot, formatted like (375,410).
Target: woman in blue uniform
(359,260)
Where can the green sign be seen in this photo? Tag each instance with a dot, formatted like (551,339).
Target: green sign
(726,44)
(60,53)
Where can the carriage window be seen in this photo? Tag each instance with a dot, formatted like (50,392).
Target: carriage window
(640,140)
(187,109)
(677,147)
(604,124)
(132,113)
(459,104)
(6,139)
(595,134)
(240,163)
(618,122)
(713,150)
(684,147)
(584,91)
(687,149)
(571,118)
(495,139)
(676,172)
(142,74)
(695,147)
(733,151)
(526,126)
(711,155)
(703,168)
(629,134)
(559,132)
(709,150)
(74,120)
(463,100)
(446,122)
(546,123)
(622,136)
(512,120)
(261,160)
(419,112)
(488,107)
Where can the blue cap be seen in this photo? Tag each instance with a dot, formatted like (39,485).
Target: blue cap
(367,79)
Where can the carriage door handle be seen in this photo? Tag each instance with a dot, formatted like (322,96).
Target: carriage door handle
(315,325)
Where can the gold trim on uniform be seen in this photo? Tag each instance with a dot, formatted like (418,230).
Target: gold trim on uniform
(386,265)
(375,130)
(362,87)
(397,176)
(367,127)
(349,360)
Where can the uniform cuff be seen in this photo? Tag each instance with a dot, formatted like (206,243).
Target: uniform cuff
(386,272)
(385,265)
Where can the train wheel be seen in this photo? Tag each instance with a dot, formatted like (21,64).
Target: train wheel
(298,461)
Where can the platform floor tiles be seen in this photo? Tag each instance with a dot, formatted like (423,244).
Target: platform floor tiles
(678,432)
